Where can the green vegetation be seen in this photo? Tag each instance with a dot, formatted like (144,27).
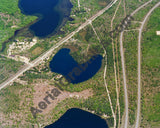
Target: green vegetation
(10,99)
(141,14)
(151,54)
(130,45)
(88,8)
(18,98)
(11,19)
(152,112)
(132,5)
(150,71)
(15,102)
(8,67)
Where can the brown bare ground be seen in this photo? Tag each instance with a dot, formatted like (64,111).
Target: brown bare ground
(72,48)
(102,3)
(83,34)
(37,51)
(39,95)
(42,88)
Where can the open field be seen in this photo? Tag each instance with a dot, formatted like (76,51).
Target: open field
(19,98)
(150,72)
(130,52)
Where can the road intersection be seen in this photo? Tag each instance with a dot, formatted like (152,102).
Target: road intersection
(61,42)
(126,121)
(88,22)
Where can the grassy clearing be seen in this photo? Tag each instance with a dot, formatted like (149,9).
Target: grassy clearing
(150,72)
(8,67)
(132,5)
(138,16)
(15,103)
(130,53)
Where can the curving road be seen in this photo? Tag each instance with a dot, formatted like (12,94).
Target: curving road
(139,65)
(47,53)
(124,72)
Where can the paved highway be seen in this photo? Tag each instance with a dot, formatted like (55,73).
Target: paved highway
(43,56)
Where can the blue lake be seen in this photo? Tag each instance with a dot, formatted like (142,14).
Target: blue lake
(77,118)
(63,63)
(51,14)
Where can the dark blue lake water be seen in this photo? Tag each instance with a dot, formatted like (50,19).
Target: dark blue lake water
(63,63)
(77,118)
(50,12)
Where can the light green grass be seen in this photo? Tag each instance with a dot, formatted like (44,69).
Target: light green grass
(150,71)
(11,15)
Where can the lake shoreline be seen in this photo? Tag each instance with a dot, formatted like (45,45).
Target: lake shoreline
(76,117)
(54,16)
(26,28)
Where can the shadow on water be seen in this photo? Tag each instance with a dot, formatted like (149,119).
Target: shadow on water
(64,64)
(77,118)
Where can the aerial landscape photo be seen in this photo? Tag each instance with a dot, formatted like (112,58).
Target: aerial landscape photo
(79,64)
